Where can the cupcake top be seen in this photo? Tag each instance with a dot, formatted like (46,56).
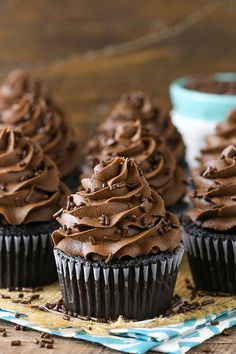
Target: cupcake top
(137,105)
(214,196)
(24,105)
(116,214)
(225,134)
(30,188)
(151,154)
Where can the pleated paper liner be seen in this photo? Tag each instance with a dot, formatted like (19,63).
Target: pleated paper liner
(212,260)
(53,320)
(136,289)
(26,259)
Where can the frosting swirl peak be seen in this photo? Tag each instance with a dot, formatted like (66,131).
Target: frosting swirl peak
(151,154)
(23,104)
(224,135)
(116,214)
(136,105)
(214,197)
(30,188)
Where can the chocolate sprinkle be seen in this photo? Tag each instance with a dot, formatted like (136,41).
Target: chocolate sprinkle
(58,213)
(15,343)
(109,258)
(208,302)
(226,332)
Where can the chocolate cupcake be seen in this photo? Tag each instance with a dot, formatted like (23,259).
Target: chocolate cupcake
(23,104)
(210,226)
(117,251)
(30,193)
(225,134)
(134,106)
(151,154)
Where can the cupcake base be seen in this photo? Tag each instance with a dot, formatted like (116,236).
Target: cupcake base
(137,288)
(212,258)
(72,179)
(26,255)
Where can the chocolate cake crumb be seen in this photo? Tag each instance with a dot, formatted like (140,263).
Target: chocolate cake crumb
(49,346)
(190,287)
(47,341)
(17,315)
(15,343)
(45,335)
(41,308)
(208,302)
(34,297)
(226,332)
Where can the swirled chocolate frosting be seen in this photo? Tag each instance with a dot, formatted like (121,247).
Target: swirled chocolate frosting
(151,154)
(224,135)
(214,196)
(116,214)
(137,105)
(23,104)
(30,188)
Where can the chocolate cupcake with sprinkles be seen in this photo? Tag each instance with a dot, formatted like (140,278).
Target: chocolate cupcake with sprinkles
(118,250)
(210,225)
(152,155)
(30,193)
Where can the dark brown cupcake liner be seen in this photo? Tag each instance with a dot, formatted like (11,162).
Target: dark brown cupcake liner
(212,261)
(26,260)
(137,289)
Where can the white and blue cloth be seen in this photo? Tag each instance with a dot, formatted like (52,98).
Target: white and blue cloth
(172,339)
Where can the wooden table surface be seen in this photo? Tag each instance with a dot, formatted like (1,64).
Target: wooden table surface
(91,51)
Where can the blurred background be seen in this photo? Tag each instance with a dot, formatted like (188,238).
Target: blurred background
(91,51)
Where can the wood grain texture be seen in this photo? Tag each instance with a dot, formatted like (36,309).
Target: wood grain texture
(89,52)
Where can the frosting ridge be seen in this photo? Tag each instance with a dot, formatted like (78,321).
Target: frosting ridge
(214,196)
(224,135)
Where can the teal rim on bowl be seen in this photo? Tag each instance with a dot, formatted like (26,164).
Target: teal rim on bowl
(200,105)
